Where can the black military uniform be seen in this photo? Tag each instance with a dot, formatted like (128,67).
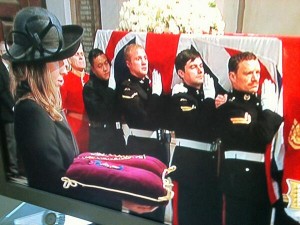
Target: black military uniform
(106,134)
(143,113)
(245,130)
(199,197)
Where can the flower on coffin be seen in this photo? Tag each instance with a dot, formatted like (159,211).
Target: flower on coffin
(171,16)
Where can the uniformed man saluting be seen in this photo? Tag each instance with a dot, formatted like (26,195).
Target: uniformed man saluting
(100,100)
(192,112)
(247,123)
(142,105)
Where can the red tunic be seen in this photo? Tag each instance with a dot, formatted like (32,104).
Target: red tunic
(72,101)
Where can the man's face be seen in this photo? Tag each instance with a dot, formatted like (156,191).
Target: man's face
(138,63)
(77,61)
(246,78)
(101,67)
(193,73)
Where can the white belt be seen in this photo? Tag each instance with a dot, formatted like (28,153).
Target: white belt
(143,133)
(250,156)
(193,144)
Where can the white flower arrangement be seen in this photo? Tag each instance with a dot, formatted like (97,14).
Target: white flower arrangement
(171,16)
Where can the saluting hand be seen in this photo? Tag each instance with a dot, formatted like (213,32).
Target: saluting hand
(268,95)
(156,83)
(112,82)
(209,87)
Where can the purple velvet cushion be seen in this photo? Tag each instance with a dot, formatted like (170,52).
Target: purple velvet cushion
(129,177)
(140,161)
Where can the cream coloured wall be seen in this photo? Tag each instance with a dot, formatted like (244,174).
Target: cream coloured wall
(229,11)
(61,8)
(259,17)
(110,13)
(263,17)
(272,17)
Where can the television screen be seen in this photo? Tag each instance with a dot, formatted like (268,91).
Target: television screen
(176,183)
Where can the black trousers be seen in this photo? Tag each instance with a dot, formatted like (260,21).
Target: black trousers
(151,147)
(199,196)
(243,212)
(245,189)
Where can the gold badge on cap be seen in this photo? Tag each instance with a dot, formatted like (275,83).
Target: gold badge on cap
(294,135)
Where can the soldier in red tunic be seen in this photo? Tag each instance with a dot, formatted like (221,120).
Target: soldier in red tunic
(72,99)
(288,206)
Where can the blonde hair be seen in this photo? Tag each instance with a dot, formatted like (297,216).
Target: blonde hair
(129,49)
(41,87)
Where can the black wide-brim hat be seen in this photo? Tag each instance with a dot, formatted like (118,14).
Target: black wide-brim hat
(38,36)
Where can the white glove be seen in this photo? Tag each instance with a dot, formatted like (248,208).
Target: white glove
(156,83)
(112,82)
(179,88)
(268,96)
(294,214)
(209,87)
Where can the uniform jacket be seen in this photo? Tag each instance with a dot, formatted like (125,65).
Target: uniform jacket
(6,98)
(240,132)
(106,135)
(100,101)
(71,92)
(193,117)
(141,108)
(244,126)
(72,101)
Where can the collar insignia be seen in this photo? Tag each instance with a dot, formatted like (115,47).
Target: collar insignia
(247,97)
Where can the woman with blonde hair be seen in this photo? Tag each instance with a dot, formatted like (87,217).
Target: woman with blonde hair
(43,136)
